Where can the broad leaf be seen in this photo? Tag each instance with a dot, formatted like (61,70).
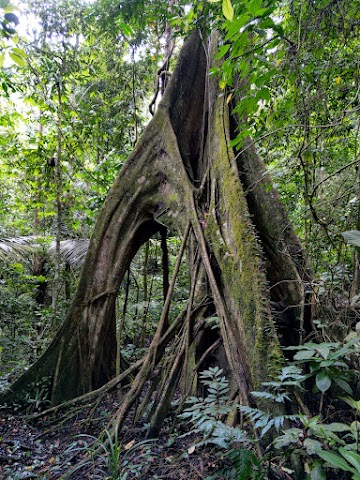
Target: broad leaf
(324,350)
(17,57)
(311,445)
(353,403)
(336,427)
(291,436)
(343,384)
(304,355)
(255,9)
(228,9)
(317,473)
(352,457)
(323,381)
(335,460)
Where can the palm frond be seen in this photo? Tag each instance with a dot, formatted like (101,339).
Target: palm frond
(21,249)
(72,251)
(17,249)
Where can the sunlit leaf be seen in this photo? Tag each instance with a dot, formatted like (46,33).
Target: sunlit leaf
(18,59)
(228,9)
(127,30)
(19,51)
(254,7)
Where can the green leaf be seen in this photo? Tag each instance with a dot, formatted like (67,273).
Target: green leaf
(243,461)
(311,446)
(304,355)
(326,363)
(19,60)
(228,9)
(263,94)
(317,473)
(254,7)
(19,51)
(235,27)
(323,381)
(335,460)
(353,403)
(336,427)
(127,30)
(343,384)
(213,1)
(291,436)
(324,350)
(352,457)
(223,50)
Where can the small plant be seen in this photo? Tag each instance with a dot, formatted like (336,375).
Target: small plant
(207,416)
(246,465)
(317,442)
(37,401)
(118,457)
(206,413)
(327,364)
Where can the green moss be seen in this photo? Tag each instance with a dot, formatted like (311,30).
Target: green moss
(235,246)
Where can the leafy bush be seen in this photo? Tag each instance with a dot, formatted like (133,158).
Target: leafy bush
(324,445)
(327,363)
(320,446)
(17,316)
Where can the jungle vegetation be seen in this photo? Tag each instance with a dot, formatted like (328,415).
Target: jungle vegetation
(180,224)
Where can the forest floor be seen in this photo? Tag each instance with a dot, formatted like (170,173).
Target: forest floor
(47,448)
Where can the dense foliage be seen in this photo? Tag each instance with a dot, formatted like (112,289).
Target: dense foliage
(76,82)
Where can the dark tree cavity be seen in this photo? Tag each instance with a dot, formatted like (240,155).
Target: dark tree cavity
(247,265)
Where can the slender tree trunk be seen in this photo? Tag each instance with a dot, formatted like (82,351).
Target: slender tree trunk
(57,257)
(38,259)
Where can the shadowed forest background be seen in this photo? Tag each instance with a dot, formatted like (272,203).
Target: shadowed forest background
(179,239)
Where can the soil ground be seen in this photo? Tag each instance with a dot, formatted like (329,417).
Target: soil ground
(48,448)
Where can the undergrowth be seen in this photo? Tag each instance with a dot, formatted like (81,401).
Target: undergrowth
(301,444)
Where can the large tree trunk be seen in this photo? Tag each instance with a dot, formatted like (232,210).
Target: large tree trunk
(248,257)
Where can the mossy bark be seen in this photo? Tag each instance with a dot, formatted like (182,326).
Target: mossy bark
(184,170)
